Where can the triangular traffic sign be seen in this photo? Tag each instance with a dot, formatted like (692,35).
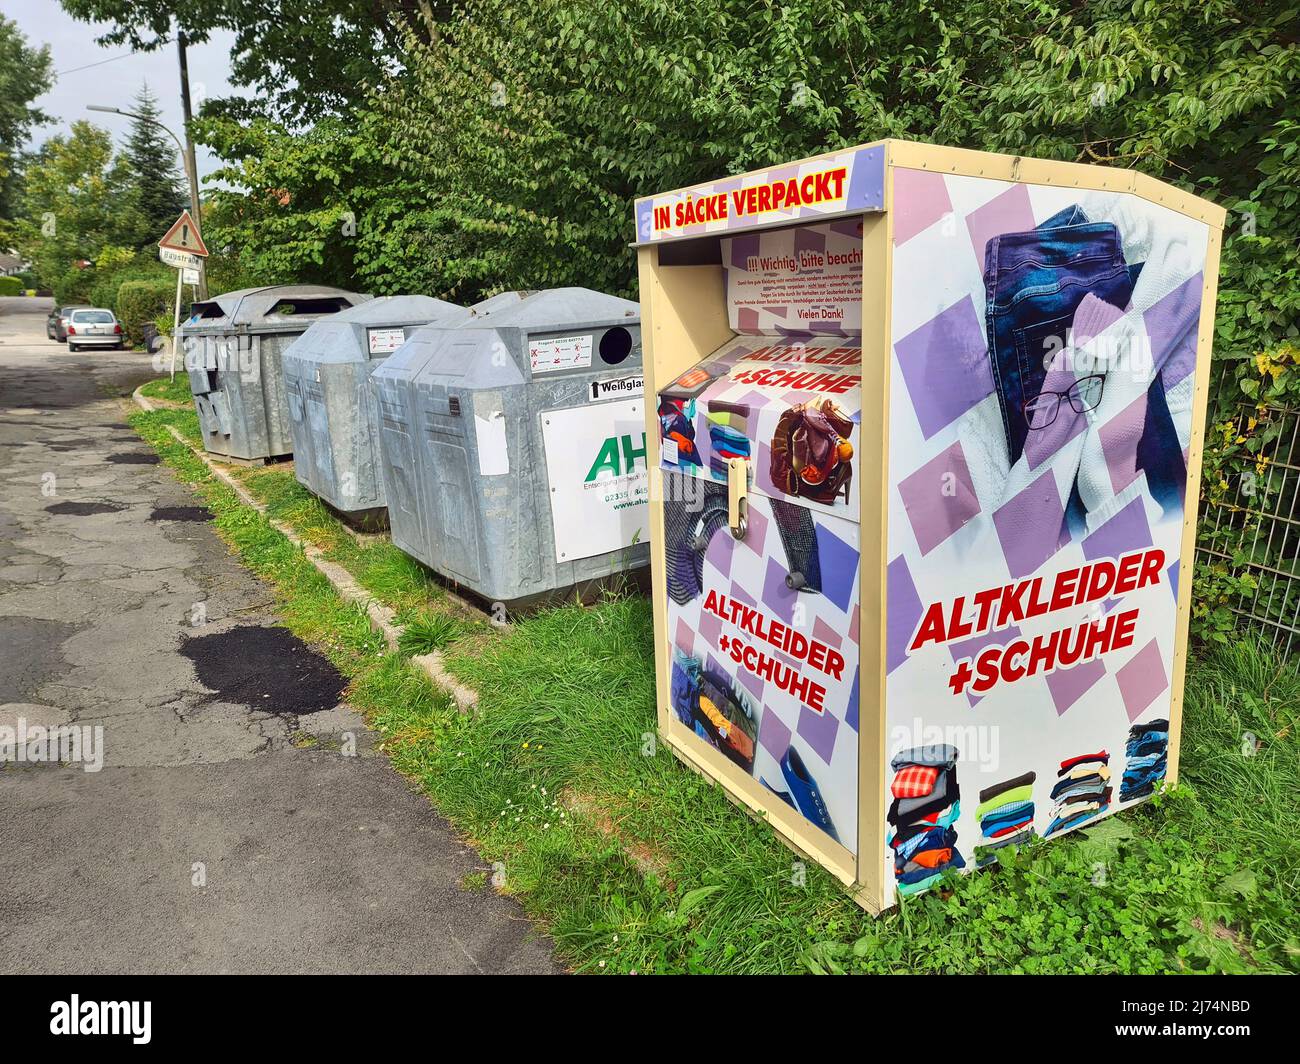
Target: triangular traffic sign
(184,236)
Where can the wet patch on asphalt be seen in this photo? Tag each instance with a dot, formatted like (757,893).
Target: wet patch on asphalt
(82,509)
(33,655)
(266,669)
(129,458)
(181,513)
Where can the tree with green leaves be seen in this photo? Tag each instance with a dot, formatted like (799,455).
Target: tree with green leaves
(154,183)
(24,76)
(75,203)
(305,61)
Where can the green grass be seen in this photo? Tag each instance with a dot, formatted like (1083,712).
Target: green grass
(176,391)
(634,863)
(423,633)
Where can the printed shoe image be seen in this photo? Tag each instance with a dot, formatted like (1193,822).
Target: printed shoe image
(807,797)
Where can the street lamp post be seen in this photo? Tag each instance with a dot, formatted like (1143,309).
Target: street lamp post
(191,176)
(187,160)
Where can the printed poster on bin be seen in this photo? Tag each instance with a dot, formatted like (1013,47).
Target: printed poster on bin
(1044,354)
(764,627)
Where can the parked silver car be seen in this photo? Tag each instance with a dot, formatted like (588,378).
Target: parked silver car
(56,325)
(93,327)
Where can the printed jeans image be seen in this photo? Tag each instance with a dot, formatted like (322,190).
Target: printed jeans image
(1034,281)
(1068,287)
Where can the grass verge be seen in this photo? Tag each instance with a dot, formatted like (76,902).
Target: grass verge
(634,863)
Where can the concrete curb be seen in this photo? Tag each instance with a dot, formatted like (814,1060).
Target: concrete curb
(382,618)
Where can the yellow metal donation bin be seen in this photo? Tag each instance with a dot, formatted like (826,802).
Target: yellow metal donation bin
(926,437)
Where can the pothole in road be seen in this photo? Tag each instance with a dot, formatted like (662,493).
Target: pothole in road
(264,668)
(82,509)
(181,513)
(129,458)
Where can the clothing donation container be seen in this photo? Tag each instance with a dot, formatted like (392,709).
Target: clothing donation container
(512,443)
(336,455)
(924,435)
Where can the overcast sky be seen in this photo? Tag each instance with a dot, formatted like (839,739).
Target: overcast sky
(115,83)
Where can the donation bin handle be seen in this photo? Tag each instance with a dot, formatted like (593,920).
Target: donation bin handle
(737,492)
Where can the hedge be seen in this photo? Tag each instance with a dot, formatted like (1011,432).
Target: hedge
(74,286)
(11,286)
(138,303)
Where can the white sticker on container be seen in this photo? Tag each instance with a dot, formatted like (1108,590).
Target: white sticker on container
(560,352)
(493,453)
(618,388)
(385,341)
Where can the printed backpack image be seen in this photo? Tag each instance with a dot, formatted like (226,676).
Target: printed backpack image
(811,453)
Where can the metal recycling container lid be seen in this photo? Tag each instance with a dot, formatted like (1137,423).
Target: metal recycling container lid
(372,330)
(276,308)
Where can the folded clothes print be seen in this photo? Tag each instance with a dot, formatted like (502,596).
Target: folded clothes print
(1150,743)
(940,818)
(1036,280)
(1082,791)
(1016,783)
(1005,813)
(929,839)
(728,438)
(1088,319)
(944,792)
(922,878)
(1013,816)
(1073,819)
(1070,764)
(942,756)
(986,853)
(1146,760)
(1087,768)
(925,807)
(924,849)
(915,781)
(1086,784)
(1017,796)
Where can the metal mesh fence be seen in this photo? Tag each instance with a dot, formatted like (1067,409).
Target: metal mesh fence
(1252,526)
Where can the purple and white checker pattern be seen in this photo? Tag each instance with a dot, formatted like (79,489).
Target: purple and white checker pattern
(766,405)
(864,190)
(961,521)
(752,570)
(764,295)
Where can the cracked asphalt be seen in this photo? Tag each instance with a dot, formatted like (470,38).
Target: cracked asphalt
(214,838)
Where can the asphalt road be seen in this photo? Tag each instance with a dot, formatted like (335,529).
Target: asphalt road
(215,837)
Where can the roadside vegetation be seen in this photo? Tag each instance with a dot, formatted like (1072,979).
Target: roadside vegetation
(634,863)
(458,150)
